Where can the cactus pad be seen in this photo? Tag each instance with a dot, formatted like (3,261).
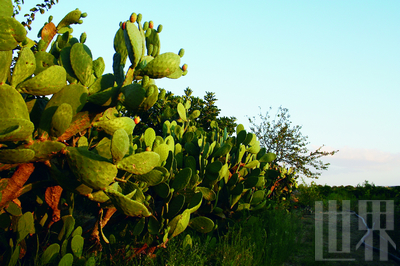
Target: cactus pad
(140,163)
(90,168)
(49,81)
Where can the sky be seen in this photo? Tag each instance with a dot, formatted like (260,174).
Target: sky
(334,64)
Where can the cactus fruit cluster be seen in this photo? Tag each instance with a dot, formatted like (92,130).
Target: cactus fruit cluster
(80,144)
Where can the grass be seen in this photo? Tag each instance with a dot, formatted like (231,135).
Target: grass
(265,238)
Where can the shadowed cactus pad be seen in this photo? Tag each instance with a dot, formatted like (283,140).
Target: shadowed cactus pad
(90,168)
(140,163)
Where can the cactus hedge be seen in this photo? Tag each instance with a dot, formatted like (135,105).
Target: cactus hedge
(68,140)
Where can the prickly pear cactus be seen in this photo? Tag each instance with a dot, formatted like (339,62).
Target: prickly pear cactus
(80,147)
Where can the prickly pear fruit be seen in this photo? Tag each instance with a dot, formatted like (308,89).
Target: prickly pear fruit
(140,163)
(90,168)
(133,18)
(119,144)
(25,66)
(61,119)
(12,33)
(136,120)
(126,205)
(49,81)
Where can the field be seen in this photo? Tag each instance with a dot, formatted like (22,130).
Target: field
(273,237)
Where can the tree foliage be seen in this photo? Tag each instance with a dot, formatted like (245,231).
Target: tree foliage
(288,143)
(165,109)
(30,17)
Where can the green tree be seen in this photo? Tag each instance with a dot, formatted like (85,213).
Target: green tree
(288,143)
(165,109)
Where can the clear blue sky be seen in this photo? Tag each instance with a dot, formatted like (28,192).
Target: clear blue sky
(334,64)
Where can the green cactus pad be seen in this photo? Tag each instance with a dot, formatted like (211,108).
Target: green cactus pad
(181,111)
(137,230)
(45,150)
(68,182)
(259,206)
(61,119)
(134,43)
(49,81)
(15,129)
(72,94)
(11,33)
(72,17)
(110,126)
(44,60)
(12,105)
(140,163)
(163,151)
(251,181)
(120,46)
(238,189)
(152,178)
(175,205)
(81,62)
(126,205)
(119,144)
(254,148)
(6,8)
(162,66)
(162,190)
(201,224)
(90,168)
(252,164)
(98,67)
(25,226)
(258,196)
(133,190)
(102,83)
(24,67)
(135,95)
(222,151)
(107,97)
(177,74)
(5,63)
(50,254)
(68,227)
(65,61)
(11,156)
(99,196)
(103,148)
(267,158)
(195,202)
(66,260)
(77,245)
(179,224)
(181,179)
